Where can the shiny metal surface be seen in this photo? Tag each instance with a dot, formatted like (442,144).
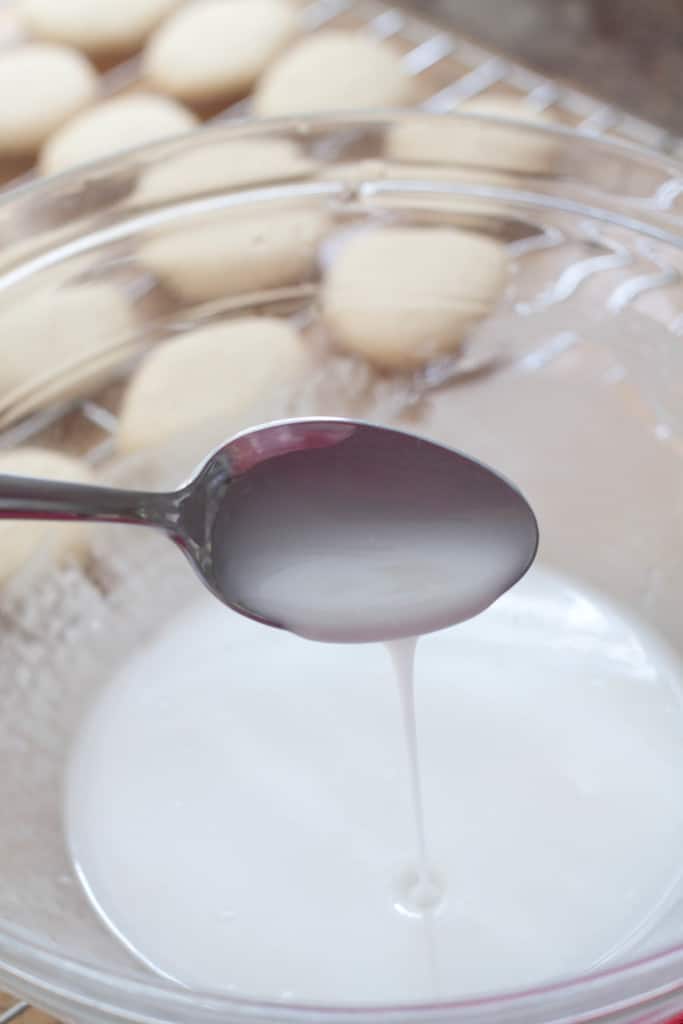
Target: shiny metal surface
(275,484)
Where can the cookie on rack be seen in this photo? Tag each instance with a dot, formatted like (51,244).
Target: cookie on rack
(56,344)
(215,373)
(402,297)
(235,252)
(207,165)
(118,124)
(102,28)
(334,70)
(22,541)
(42,85)
(213,52)
(510,149)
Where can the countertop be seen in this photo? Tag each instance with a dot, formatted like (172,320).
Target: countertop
(627,52)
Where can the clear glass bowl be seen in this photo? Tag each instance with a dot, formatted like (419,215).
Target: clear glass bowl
(573,387)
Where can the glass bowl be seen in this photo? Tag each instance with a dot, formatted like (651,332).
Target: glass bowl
(572,386)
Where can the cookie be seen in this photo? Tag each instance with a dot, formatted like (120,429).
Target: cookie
(438,140)
(401,297)
(214,51)
(22,540)
(41,86)
(334,70)
(54,345)
(215,373)
(219,166)
(234,252)
(119,124)
(101,28)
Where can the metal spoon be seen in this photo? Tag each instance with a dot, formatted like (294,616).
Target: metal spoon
(333,529)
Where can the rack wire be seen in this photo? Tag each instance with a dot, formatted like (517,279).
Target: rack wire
(453,69)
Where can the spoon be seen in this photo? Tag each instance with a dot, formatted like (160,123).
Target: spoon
(333,529)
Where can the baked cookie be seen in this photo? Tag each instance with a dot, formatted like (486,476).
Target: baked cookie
(55,344)
(220,166)
(401,297)
(21,540)
(42,85)
(100,28)
(233,252)
(121,123)
(213,51)
(212,373)
(334,70)
(439,140)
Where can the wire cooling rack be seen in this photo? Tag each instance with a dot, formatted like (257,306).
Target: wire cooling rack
(452,69)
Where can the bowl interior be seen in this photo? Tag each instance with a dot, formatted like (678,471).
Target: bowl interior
(572,387)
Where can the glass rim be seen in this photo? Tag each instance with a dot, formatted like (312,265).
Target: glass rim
(145,996)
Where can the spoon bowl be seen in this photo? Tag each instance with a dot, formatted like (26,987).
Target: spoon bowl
(334,529)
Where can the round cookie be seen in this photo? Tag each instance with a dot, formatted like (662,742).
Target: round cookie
(400,297)
(119,124)
(214,51)
(213,373)
(21,540)
(218,166)
(99,27)
(334,70)
(233,252)
(41,86)
(439,140)
(55,344)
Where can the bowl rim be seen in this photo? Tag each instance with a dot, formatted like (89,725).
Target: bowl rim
(66,981)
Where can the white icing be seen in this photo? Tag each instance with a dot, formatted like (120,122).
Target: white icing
(239,806)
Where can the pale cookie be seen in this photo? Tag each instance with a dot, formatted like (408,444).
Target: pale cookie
(400,297)
(99,27)
(217,166)
(20,541)
(118,124)
(334,70)
(41,86)
(232,252)
(213,50)
(54,344)
(213,373)
(439,140)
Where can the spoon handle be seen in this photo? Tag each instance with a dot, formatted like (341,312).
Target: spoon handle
(28,498)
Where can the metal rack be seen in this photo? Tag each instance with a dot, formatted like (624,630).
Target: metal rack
(453,69)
